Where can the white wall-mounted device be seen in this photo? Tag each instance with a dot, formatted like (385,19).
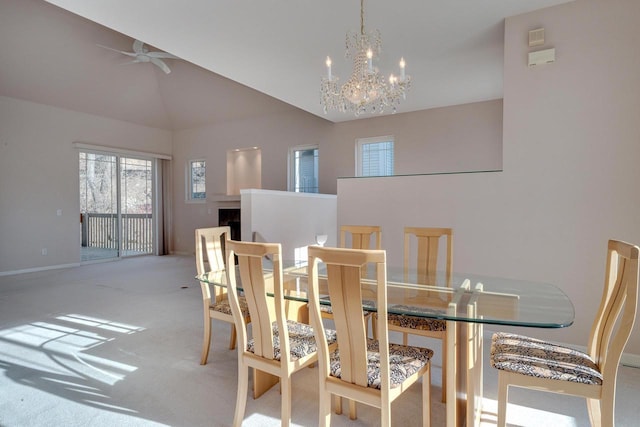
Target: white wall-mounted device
(540,57)
(536,37)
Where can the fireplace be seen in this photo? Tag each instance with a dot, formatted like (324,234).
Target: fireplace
(230,217)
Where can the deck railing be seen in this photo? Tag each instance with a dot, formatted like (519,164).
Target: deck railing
(99,230)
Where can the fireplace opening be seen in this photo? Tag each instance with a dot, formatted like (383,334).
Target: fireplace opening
(230,217)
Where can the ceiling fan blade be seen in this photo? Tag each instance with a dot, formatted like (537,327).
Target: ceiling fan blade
(138,46)
(161,64)
(163,55)
(116,50)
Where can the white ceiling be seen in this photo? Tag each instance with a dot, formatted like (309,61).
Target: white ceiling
(453,48)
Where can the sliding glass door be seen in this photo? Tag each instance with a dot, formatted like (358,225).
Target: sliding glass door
(116,206)
(136,206)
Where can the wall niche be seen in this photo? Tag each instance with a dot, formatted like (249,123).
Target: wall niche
(244,169)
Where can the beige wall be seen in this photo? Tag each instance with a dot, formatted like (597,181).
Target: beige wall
(41,135)
(39,175)
(466,137)
(273,133)
(571,147)
(450,139)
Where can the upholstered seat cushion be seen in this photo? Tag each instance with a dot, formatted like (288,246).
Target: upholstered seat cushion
(223,306)
(537,358)
(302,341)
(417,322)
(404,361)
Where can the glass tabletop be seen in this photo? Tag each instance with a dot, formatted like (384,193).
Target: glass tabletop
(466,298)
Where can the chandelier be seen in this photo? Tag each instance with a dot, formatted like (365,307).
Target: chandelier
(366,90)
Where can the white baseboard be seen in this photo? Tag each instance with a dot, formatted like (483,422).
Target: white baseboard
(632,360)
(181,253)
(32,270)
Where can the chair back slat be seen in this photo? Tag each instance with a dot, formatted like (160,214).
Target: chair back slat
(618,308)
(343,269)
(346,302)
(210,242)
(427,252)
(361,236)
(263,293)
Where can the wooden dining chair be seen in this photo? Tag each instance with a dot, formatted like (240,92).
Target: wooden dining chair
(427,244)
(359,237)
(279,347)
(373,372)
(210,258)
(536,364)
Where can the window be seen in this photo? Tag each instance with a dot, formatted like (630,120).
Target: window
(196,181)
(303,169)
(374,156)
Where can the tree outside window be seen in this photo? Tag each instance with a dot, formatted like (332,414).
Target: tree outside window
(196,180)
(303,174)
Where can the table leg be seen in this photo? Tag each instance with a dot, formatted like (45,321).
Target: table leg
(464,367)
(453,365)
(474,374)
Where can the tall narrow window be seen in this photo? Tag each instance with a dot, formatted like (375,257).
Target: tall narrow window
(303,171)
(374,156)
(196,173)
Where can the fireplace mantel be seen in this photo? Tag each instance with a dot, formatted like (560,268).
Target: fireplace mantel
(225,200)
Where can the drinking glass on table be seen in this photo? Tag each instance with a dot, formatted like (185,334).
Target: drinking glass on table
(321,239)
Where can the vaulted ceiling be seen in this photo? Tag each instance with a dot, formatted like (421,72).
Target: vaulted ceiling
(232,48)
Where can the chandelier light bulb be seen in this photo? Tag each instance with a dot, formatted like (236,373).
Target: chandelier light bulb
(402,65)
(328,62)
(370,59)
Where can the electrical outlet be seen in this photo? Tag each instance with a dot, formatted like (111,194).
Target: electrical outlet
(44,251)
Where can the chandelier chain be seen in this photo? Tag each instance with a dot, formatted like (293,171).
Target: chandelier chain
(362,17)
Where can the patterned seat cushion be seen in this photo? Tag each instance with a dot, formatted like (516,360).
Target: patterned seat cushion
(537,358)
(416,322)
(223,306)
(404,361)
(302,341)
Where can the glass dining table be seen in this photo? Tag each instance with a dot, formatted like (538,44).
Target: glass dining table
(465,301)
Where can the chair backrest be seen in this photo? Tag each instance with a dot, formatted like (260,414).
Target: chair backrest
(343,273)
(361,236)
(616,315)
(264,295)
(428,246)
(210,243)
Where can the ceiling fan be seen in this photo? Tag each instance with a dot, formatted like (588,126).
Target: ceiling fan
(142,54)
